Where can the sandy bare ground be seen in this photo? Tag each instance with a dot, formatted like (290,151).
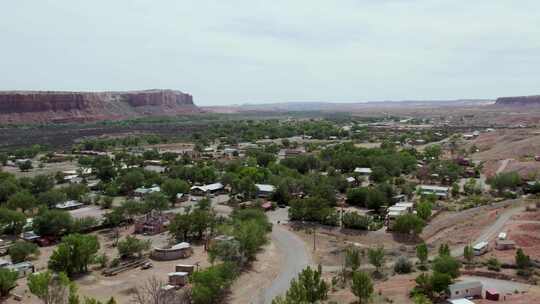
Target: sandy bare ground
(48,169)
(509,149)
(249,287)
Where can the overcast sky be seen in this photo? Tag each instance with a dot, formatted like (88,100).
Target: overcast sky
(250,51)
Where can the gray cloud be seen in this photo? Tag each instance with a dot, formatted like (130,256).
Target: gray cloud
(259,51)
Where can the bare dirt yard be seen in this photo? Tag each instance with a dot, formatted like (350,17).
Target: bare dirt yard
(48,169)
(519,146)
(331,243)
(248,288)
(460,228)
(524,229)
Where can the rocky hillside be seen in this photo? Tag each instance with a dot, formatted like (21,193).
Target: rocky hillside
(51,106)
(521,101)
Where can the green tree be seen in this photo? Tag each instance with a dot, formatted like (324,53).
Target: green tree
(52,222)
(468,253)
(130,246)
(25,165)
(208,284)
(74,254)
(52,197)
(362,286)
(42,183)
(155,202)
(357,196)
(104,168)
(423,210)
(264,159)
(440,281)
(51,288)
(21,250)
(8,187)
(131,180)
(353,220)
(11,221)
(251,236)
(422,253)
(8,280)
(409,224)
(421,299)
(403,265)
(353,258)
(523,261)
(172,187)
(505,180)
(308,287)
(22,200)
(444,250)
(3,159)
(447,265)
(376,257)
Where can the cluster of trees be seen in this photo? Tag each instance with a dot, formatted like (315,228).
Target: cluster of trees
(313,209)
(385,163)
(53,288)
(104,144)
(505,181)
(74,254)
(370,197)
(445,269)
(249,229)
(310,287)
(194,223)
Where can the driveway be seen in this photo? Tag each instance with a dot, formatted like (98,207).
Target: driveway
(492,231)
(295,254)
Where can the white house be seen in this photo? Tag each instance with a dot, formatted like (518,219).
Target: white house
(467,289)
(264,190)
(69,205)
(363,171)
(440,192)
(207,189)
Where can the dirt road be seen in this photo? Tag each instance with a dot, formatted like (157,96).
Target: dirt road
(503,165)
(492,230)
(296,257)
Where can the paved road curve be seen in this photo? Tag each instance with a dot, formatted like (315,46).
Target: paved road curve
(296,258)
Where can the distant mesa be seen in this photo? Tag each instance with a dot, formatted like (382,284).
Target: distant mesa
(519,101)
(59,106)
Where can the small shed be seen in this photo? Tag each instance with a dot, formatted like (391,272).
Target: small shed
(466,289)
(505,244)
(492,294)
(178,278)
(184,268)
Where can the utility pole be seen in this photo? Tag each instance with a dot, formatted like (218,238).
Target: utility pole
(314,239)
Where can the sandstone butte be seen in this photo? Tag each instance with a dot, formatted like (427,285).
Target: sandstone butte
(521,101)
(29,107)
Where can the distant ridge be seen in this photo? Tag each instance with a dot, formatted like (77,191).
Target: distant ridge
(519,101)
(345,107)
(64,106)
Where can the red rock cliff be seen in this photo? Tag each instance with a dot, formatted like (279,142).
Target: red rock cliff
(40,106)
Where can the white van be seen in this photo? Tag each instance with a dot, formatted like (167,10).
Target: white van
(502,236)
(481,248)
